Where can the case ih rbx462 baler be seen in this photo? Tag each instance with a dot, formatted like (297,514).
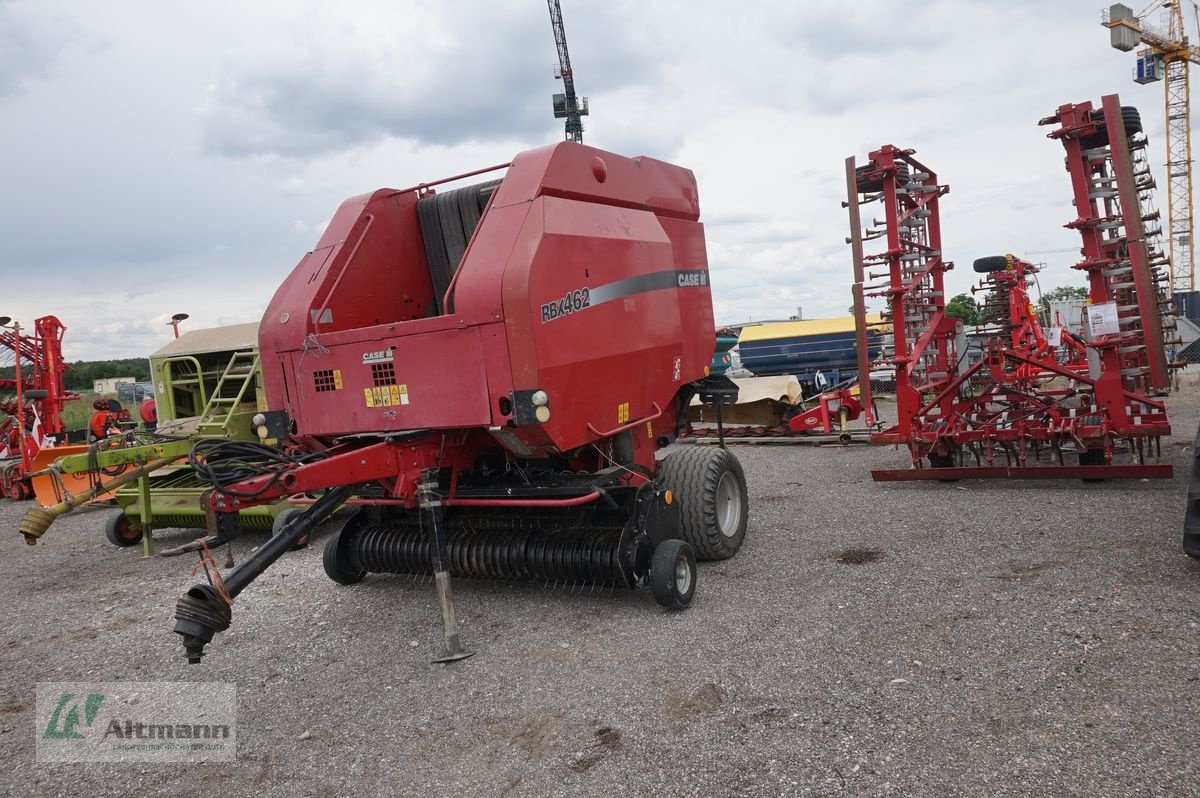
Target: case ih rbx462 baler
(486,374)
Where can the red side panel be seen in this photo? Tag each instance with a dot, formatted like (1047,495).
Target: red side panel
(367,269)
(596,315)
(435,380)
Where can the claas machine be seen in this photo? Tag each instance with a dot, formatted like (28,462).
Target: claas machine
(208,384)
(489,375)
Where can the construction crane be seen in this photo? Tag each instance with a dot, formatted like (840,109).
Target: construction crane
(1167,54)
(566,104)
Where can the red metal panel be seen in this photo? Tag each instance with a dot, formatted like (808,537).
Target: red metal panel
(436,380)
(585,173)
(620,265)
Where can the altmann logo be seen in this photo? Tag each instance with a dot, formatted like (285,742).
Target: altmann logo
(163,731)
(66,717)
(136,721)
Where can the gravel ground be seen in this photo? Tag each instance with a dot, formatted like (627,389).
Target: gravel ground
(990,639)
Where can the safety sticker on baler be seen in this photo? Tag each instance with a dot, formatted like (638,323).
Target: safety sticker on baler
(386,395)
(622,412)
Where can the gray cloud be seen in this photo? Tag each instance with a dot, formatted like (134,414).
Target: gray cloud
(29,47)
(486,73)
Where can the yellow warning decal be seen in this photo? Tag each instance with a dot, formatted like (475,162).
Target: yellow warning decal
(649,430)
(378,397)
(403,393)
(622,412)
(369,397)
(337,379)
(394,394)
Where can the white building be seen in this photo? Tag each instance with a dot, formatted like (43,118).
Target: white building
(109,384)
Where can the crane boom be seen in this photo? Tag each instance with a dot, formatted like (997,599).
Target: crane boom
(1169,55)
(566,105)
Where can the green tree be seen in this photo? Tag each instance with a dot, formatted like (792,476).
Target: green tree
(963,307)
(1061,293)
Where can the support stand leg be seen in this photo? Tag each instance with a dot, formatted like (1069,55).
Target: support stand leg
(720,425)
(147,517)
(431,515)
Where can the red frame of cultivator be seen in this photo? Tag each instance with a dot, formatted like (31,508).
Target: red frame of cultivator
(942,413)
(43,350)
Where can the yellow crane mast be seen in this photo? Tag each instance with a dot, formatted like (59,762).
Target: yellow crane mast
(1167,56)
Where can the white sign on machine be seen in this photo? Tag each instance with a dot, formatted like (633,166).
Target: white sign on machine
(1102,319)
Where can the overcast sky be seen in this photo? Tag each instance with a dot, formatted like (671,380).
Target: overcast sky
(166,157)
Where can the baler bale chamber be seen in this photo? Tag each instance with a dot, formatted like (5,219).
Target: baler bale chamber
(489,375)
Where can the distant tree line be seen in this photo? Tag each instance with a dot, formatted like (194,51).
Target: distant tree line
(83,374)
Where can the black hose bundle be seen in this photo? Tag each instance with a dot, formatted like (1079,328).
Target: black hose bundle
(224,463)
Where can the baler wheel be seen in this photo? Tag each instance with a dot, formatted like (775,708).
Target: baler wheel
(119,530)
(282,520)
(336,558)
(710,486)
(16,490)
(673,574)
(992,263)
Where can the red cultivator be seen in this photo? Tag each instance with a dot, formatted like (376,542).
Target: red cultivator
(31,401)
(1020,411)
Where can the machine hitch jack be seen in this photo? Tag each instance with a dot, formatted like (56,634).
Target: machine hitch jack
(430,504)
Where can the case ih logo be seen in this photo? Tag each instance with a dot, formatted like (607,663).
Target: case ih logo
(694,279)
(382,356)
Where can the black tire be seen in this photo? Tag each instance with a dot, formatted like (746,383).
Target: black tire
(941,460)
(1191,544)
(710,487)
(673,574)
(1092,457)
(120,531)
(875,186)
(1129,115)
(992,263)
(283,519)
(339,565)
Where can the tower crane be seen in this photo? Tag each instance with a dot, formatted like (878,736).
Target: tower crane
(1167,54)
(566,104)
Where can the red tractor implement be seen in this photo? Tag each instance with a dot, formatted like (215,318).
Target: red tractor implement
(488,376)
(31,403)
(1007,304)
(1001,416)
